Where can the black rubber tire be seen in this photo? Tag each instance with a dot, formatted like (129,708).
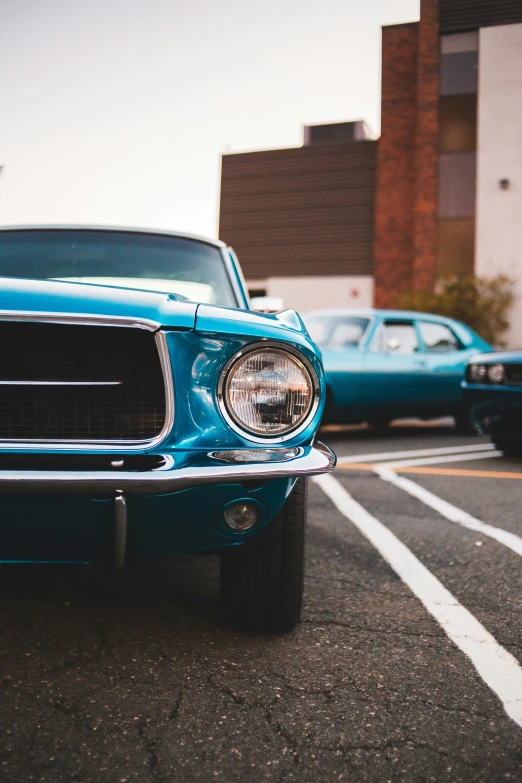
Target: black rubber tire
(463,423)
(262,580)
(511,448)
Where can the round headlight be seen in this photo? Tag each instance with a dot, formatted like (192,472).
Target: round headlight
(269,392)
(477,373)
(496,373)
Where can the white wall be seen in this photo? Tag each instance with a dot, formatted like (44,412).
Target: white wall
(499,156)
(310,293)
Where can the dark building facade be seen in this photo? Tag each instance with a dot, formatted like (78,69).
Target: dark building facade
(302,213)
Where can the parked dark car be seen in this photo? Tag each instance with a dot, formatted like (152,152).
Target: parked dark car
(388,364)
(145,410)
(493,393)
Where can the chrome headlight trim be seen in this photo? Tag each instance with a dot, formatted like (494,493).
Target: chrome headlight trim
(299,358)
(496,373)
(477,372)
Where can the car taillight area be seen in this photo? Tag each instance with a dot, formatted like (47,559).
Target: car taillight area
(79,382)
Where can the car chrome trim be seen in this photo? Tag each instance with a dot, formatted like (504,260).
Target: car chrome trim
(61,383)
(246,456)
(252,348)
(120,529)
(313,460)
(81,319)
(160,339)
(235,271)
(241,301)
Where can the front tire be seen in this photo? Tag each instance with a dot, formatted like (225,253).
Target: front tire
(463,423)
(510,448)
(262,580)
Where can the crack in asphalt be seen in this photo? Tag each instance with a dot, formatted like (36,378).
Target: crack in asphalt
(368,629)
(149,746)
(174,712)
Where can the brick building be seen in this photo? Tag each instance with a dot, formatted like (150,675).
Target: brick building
(350,221)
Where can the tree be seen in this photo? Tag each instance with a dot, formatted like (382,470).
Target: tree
(483,303)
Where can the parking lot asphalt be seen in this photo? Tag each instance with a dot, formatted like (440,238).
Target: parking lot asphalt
(133,676)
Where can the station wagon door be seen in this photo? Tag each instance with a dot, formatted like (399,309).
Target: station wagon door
(394,370)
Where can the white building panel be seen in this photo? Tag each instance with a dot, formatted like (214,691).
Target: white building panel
(319,291)
(499,157)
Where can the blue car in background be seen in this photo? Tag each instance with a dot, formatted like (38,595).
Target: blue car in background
(144,410)
(382,365)
(493,394)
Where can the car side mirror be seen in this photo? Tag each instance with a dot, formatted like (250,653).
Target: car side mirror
(392,344)
(266,304)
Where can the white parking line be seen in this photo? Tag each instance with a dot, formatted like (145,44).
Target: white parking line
(442,458)
(385,455)
(497,667)
(451,512)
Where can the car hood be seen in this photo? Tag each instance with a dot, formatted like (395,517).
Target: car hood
(51,297)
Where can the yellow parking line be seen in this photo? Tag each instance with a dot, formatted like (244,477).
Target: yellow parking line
(461,472)
(355,466)
(437,471)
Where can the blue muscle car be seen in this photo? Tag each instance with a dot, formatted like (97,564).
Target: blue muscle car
(145,410)
(388,364)
(493,393)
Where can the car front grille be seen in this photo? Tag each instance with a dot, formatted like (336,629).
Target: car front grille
(514,374)
(78,382)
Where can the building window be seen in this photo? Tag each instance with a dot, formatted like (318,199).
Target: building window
(458,123)
(459,73)
(459,64)
(459,42)
(456,247)
(457,178)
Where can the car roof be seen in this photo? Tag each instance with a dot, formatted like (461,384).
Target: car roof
(368,312)
(127,229)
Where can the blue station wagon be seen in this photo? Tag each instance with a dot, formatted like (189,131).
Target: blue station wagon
(144,410)
(382,365)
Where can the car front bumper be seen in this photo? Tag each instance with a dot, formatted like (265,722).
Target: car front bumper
(87,515)
(496,411)
(175,475)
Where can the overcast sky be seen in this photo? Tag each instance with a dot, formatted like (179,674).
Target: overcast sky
(118,111)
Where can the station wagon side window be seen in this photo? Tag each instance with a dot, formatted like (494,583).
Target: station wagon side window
(395,337)
(336,332)
(438,338)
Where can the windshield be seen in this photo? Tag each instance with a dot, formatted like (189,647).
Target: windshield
(189,268)
(340,331)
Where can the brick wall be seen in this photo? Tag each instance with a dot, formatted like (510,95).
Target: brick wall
(427,148)
(406,220)
(396,179)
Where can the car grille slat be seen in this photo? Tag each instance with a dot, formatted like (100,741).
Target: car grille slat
(514,373)
(69,382)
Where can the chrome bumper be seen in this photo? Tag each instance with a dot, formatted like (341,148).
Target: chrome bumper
(311,460)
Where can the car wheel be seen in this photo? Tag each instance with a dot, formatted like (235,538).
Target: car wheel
(463,423)
(262,580)
(511,448)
